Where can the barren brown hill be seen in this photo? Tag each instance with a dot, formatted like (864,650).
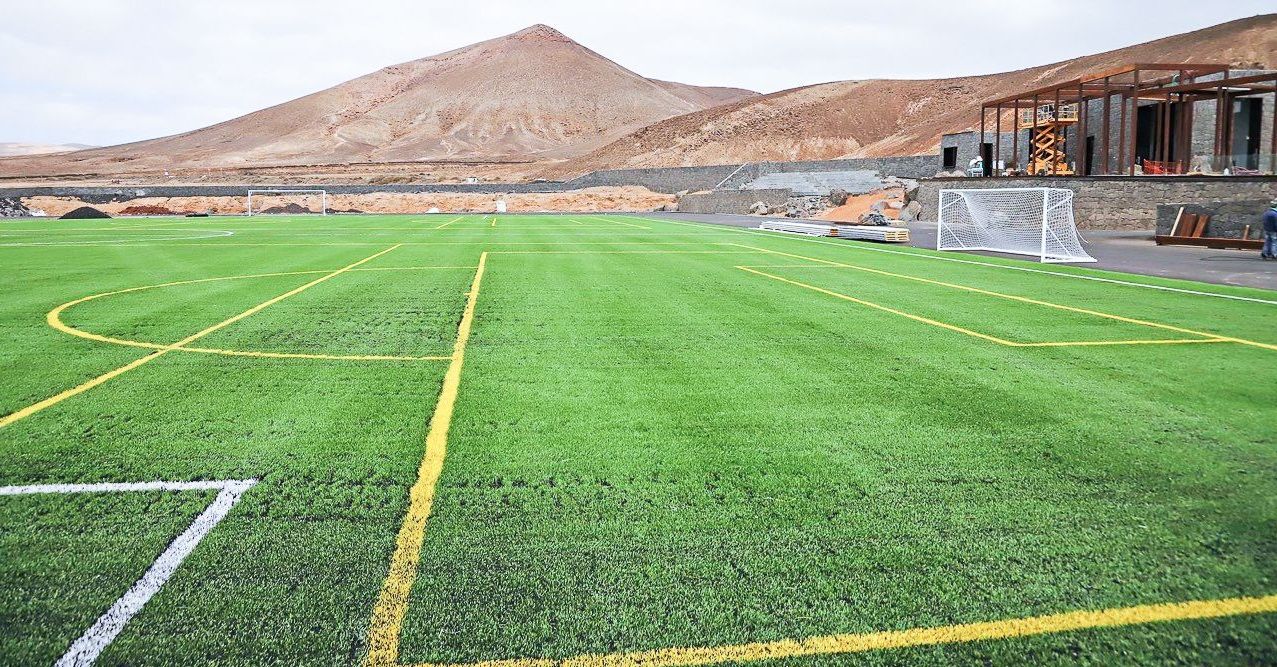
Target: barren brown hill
(891,117)
(534,94)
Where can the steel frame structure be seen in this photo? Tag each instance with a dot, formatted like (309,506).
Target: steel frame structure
(1162,83)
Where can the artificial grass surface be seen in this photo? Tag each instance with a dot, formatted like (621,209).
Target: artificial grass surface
(651,447)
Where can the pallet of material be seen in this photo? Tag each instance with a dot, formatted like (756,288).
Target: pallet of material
(859,232)
(1219,242)
(1190,229)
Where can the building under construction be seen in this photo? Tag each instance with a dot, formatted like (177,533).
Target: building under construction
(1139,119)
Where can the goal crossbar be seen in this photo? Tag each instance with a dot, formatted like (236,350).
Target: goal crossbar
(1037,222)
(323,197)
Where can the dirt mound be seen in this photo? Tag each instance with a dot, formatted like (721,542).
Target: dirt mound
(290,207)
(146,210)
(84,213)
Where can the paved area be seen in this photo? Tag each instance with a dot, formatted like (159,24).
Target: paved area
(1124,251)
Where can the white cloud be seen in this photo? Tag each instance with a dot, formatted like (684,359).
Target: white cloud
(110,71)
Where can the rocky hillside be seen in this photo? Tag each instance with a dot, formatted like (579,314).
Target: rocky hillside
(891,117)
(531,95)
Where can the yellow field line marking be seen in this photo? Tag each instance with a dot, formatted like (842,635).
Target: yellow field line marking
(307,355)
(616,222)
(392,602)
(918,318)
(494,221)
(54,319)
(977,334)
(460,217)
(1038,302)
(843,644)
(81,388)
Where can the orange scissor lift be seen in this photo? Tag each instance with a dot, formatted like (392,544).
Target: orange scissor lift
(1047,125)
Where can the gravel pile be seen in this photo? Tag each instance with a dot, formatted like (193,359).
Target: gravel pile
(85,213)
(11,207)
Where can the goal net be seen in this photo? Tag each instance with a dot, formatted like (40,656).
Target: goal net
(287,202)
(1023,221)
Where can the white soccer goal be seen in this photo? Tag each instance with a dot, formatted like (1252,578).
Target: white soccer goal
(302,200)
(1022,221)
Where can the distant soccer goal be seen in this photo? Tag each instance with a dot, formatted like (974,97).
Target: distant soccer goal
(1022,221)
(288,202)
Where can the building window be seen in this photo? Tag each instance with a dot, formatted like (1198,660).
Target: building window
(950,158)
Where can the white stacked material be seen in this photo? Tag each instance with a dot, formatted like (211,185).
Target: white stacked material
(855,182)
(862,232)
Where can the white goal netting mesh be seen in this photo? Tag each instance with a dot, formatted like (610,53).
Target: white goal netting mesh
(1023,221)
(287,202)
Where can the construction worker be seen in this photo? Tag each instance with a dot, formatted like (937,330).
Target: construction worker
(976,166)
(1270,231)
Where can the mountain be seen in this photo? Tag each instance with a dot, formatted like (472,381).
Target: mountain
(11,148)
(891,117)
(534,94)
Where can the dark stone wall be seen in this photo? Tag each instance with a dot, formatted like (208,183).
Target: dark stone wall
(102,195)
(1229,219)
(730,201)
(663,179)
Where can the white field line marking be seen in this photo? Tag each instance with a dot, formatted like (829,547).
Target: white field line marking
(866,247)
(85,650)
(215,233)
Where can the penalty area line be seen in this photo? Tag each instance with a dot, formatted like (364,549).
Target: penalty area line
(86,649)
(829,645)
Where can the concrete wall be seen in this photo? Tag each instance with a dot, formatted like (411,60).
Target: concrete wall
(1119,202)
(730,201)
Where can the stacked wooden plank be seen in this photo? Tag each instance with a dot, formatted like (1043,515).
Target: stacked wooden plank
(860,232)
(1190,229)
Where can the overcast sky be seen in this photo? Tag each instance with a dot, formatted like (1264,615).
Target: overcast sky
(110,71)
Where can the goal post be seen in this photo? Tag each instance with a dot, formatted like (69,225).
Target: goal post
(304,195)
(1023,221)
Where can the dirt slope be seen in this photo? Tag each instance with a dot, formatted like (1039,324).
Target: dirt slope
(534,94)
(11,148)
(891,117)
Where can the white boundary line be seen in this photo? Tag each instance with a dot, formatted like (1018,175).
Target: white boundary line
(85,650)
(862,246)
(215,233)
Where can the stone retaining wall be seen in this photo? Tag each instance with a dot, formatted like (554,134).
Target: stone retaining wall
(1119,202)
(661,179)
(731,201)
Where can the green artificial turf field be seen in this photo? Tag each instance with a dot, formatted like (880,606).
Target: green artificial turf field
(620,441)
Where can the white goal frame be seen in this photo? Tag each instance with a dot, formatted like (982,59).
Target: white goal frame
(1055,230)
(323,197)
